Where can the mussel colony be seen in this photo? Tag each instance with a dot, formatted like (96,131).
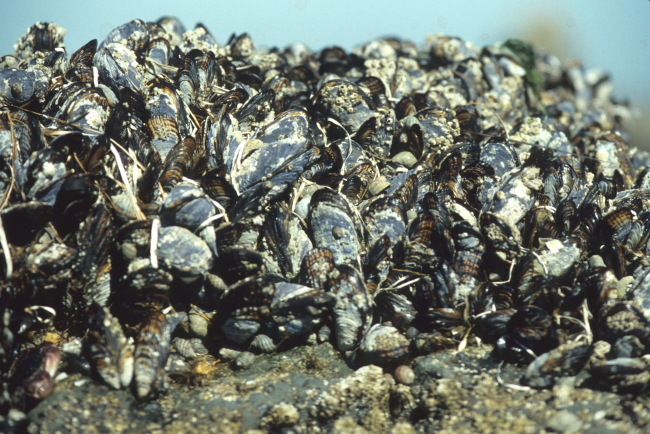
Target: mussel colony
(163,194)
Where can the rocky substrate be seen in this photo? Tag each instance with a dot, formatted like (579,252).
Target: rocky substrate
(312,390)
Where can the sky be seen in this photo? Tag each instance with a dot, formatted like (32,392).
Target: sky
(608,34)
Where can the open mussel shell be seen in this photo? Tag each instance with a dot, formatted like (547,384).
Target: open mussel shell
(408,143)
(31,375)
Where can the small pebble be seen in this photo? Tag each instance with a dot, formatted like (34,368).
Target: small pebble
(244,360)
(228,353)
(564,421)
(324,334)
(404,374)
(60,377)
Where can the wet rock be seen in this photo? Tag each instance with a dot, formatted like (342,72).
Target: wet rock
(564,421)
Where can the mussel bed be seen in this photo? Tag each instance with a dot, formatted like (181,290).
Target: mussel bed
(173,208)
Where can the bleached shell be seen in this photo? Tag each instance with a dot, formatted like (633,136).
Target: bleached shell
(184,347)
(263,344)
(111,353)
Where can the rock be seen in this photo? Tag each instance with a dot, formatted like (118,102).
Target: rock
(309,388)
(564,421)
(244,360)
(281,415)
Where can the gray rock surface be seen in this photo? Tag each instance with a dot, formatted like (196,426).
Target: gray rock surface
(310,389)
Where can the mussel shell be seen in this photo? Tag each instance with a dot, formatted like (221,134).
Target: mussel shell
(186,254)
(81,63)
(567,358)
(332,226)
(298,309)
(409,138)
(500,155)
(618,319)
(439,127)
(395,308)
(115,65)
(316,267)
(346,102)
(284,142)
(243,306)
(385,216)
(263,344)
(383,346)
(111,354)
(134,35)
(32,371)
(491,326)
(186,206)
(627,346)
(378,262)
(236,263)
(159,50)
(623,375)
(19,86)
(617,224)
(167,118)
(21,128)
(152,349)
(286,239)
(30,217)
(512,199)
(218,188)
(530,329)
(86,109)
(353,309)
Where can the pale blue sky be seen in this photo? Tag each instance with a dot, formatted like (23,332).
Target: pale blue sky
(613,35)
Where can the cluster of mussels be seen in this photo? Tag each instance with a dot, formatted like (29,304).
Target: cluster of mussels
(161,191)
